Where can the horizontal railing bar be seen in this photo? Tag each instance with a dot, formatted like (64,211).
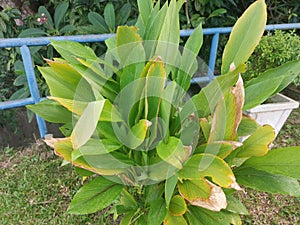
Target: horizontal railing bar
(16,103)
(41,41)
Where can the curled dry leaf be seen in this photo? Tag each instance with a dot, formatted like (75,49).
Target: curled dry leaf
(50,140)
(216,200)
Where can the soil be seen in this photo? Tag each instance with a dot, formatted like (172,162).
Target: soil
(16,131)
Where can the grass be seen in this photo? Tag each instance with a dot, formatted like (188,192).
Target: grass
(35,189)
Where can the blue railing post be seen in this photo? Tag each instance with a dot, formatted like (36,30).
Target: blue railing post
(33,87)
(213,56)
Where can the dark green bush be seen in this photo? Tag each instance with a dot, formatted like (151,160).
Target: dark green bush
(275,49)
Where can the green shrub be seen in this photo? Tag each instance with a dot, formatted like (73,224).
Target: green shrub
(274,49)
(147,150)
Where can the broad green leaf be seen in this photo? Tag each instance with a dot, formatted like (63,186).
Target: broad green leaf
(127,218)
(109,111)
(155,82)
(57,85)
(129,42)
(98,21)
(217,12)
(71,50)
(98,147)
(145,7)
(200,166)
(154,25)
(153,192)
(110,17)
(169,188)
(247,126)
(168,41)
(173,152)
(86,124)
(94,196)
(123,14)
(171,220)
(60,12)
(260,89)
(228,114)
(177,206)
(245,36)
(203,193)
(284,161)
(189,63)
(127,203)
(64,149)
(51,111)
(206,100)
(269,182)
(32,32)
(65,71)
(157,212)
(258,143)
(200,216)
(221,148)
(235,206)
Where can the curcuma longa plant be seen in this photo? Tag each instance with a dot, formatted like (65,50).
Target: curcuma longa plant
(143,147)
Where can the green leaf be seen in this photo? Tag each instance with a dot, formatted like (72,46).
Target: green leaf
(157,212)
(123,14)
(258,143)
(235,206)
(269,182)
(126,220)
(169,188)
(200,166)
(206,100)
(94,196)
(217,12)
(98,147)
(71,50)
(98,21)
(189,63)
(127,203)
(245,36)
(109,16)
(32,32)
(109,111)
(247,126)
(68,29)
(171,220)
(3,27)
(200,216)
(221,148)
(284,161)
(173,152)
(87,123)
(260,89)
(60,12)
(145,7)
(154,26)
(177,205)
(51,111)
(103,165)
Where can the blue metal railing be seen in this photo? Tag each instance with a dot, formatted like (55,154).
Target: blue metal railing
(25,43)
